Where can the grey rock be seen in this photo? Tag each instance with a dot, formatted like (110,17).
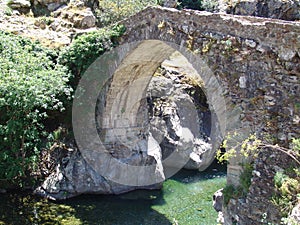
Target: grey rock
(218,200)
(16,4)
(74,176)
(23,6)
(294,218)
(170,3)
(54,6)
(286,54)
(80,18)
(85,19)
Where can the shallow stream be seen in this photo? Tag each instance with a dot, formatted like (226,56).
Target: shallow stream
(185,199)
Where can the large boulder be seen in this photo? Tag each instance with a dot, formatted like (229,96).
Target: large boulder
(50,5)
(176,121)
(74,176)
(294,218)
(81,18)
(23,6)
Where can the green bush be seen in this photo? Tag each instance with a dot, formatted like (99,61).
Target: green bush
(287,183)
(190,4)
(85,49)
(30,86)
(210,5)
(287,192)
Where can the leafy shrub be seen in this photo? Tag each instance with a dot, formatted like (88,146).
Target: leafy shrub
(207,5)
(8,11)
(86,48)
(30,85)
(190,4)
(287,192)
(210,5)
(287,184)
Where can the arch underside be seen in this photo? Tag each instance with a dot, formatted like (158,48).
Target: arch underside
(124,123)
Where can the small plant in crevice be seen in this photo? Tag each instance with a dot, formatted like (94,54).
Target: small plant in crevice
(231,191)
(45,19)
(245,177)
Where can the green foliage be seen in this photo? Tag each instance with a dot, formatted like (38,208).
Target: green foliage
(210,5)
(245,177)
(287,192)
(85,49)
(46,20)
(190,4)
(248,148)
(287,184)
(30,86)
(296,146)
(8,11)
(230,192)
(111,11)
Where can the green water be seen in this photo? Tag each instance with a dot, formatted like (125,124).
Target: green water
(185,199)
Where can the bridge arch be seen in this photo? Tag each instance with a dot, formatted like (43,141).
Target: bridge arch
(204,39)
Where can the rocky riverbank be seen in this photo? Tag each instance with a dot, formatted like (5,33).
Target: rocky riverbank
(53,23)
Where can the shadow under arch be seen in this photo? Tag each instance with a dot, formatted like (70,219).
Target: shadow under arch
(130,68)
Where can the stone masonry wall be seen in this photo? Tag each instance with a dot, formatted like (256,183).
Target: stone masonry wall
(257,64)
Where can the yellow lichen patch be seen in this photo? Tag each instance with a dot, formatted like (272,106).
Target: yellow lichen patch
(161,25)
(171,31)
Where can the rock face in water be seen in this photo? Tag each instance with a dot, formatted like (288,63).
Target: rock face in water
(74,176)
(175,121)
(178,121)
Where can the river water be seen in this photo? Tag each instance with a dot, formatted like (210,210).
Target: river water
(185,199)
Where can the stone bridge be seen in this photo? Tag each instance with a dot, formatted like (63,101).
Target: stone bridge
(247,67)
